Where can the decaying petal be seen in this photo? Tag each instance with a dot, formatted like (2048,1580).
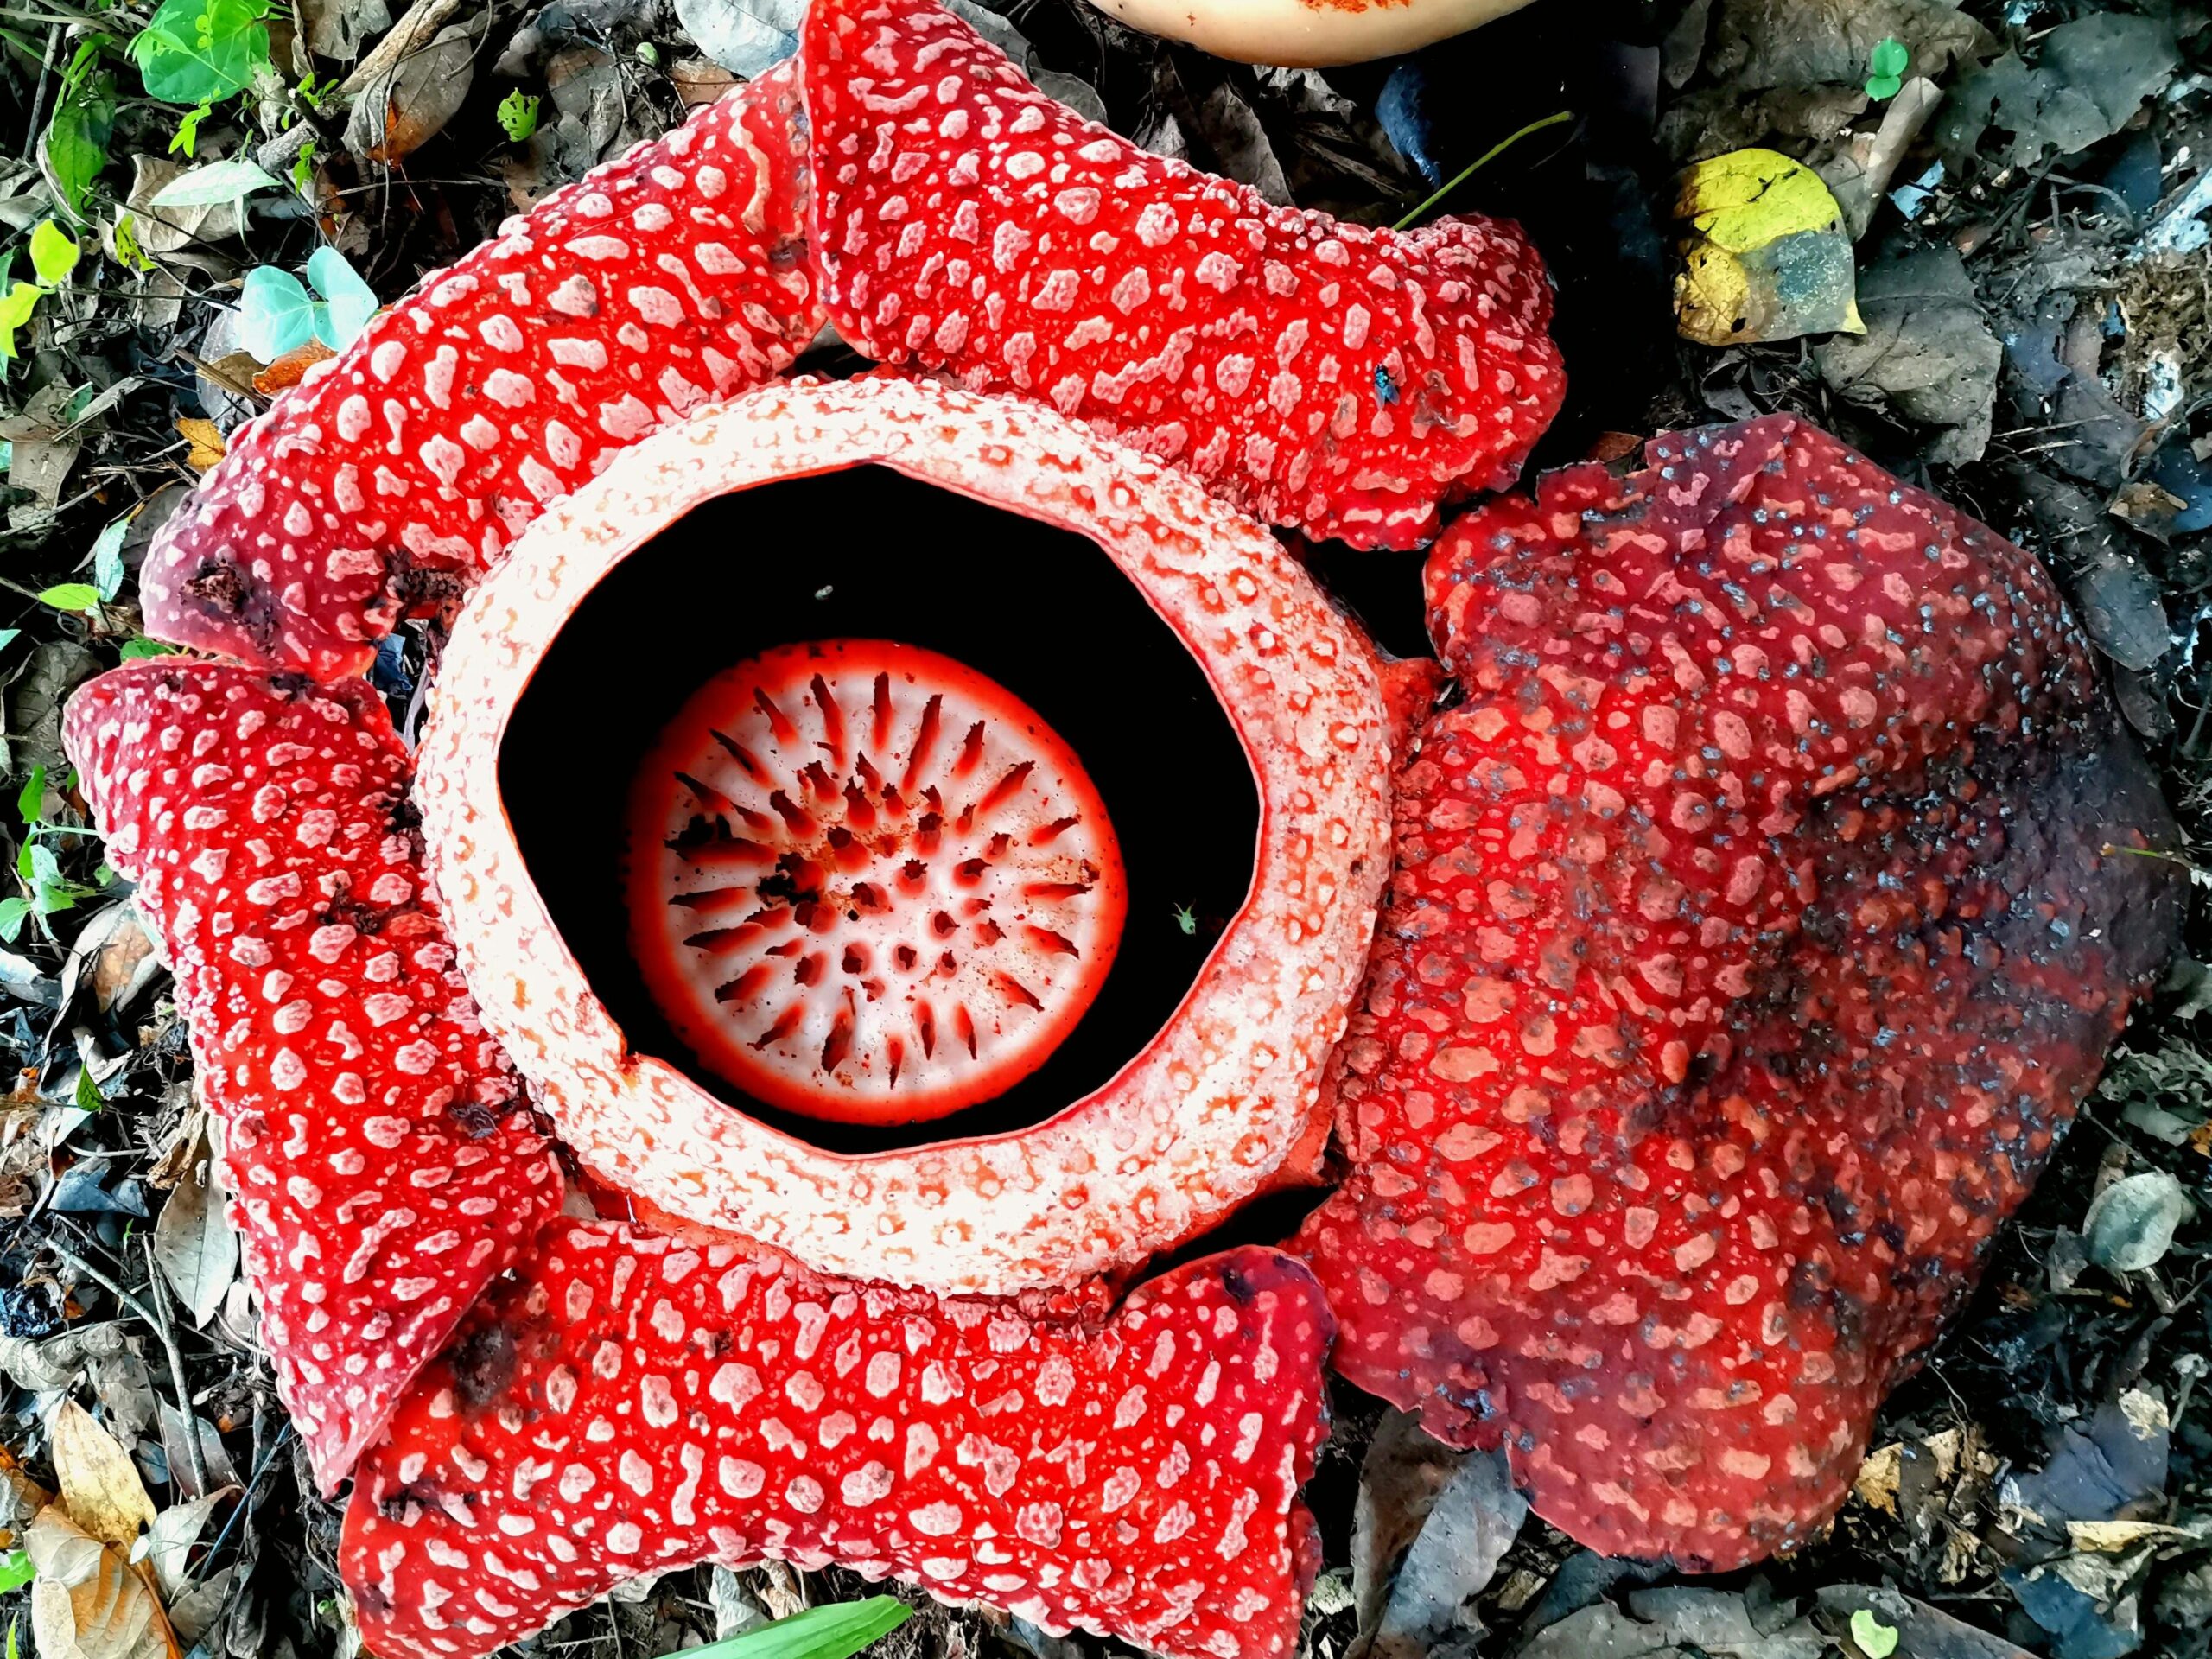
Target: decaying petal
(632,1404)
(1332,377)
(397,471)
(1760,917)
(384,1169)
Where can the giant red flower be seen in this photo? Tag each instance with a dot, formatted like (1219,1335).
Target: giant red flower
(1758,916)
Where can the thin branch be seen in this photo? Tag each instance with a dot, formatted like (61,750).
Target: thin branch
(1481,162)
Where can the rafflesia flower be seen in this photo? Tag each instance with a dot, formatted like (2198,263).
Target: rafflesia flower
(1757,915)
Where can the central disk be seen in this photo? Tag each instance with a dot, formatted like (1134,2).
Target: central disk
(866,883)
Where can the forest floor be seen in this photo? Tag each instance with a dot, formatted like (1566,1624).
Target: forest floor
(2025,188)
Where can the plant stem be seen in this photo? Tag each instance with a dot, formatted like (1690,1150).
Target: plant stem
(1481,162)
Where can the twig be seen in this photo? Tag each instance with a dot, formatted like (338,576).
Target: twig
(126,1298)
(38,100)
(194,1454)
(161,1329)
(1481,162)
(414,32)
(246,1502)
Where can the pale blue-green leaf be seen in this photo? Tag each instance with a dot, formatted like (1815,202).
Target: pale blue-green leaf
(107,558)
(275,314)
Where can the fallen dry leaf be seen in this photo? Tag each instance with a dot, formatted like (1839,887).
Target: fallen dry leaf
(286,370)
(177,1530)
(206,440)
(100,1487)
(194,1241)
(87,1602)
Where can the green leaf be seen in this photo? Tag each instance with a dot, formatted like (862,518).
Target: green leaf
(88,1097)
(518,114)
(198,51)
(16,1572)
(1885,68)
(15,308)
(30,799)
(74,149)
(215,183)
(835,1631)
(275,314)
(14,912)
(127,254)
(1875,1639)
(352,301)
(8,636)
(71,596)
(54,252)
(187,140)
(134,649)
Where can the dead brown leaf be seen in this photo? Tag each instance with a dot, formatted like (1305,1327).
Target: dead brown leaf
(100,1486)
(284,373)
(87,1601)
(207,442)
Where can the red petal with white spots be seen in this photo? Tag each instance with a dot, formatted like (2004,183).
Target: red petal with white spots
(633,1404)
(1756,928)
(1341,379)
(384,1168)
(397,471)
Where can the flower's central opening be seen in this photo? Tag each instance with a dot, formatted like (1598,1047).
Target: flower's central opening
(868,883)
(1025,629)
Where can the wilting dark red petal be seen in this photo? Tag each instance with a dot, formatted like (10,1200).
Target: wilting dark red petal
(632,1403)
(394,473)
(1756,928)
(1332,377)
(383,1168)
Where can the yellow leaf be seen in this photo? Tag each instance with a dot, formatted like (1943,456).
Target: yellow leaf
(206,440)
(100,1487)
(87,1602)
(1765,252)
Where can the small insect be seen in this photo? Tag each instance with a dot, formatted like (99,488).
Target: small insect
(1187,918)
(1386,389)
(824,593)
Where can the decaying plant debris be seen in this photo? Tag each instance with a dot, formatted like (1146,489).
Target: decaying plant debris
(2032,258)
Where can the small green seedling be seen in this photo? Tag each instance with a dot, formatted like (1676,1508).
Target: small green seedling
(88,1097)
(518,115)
(1187,918)
(278,314)
(16,1572)
(1885,68)
(55,254)
(77,598)
(1875,1639)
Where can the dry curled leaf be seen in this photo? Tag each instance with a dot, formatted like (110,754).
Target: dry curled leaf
(194,1241)
(286,370)
(177,1530)
(207,442)
(87,1601)
(100,1487)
